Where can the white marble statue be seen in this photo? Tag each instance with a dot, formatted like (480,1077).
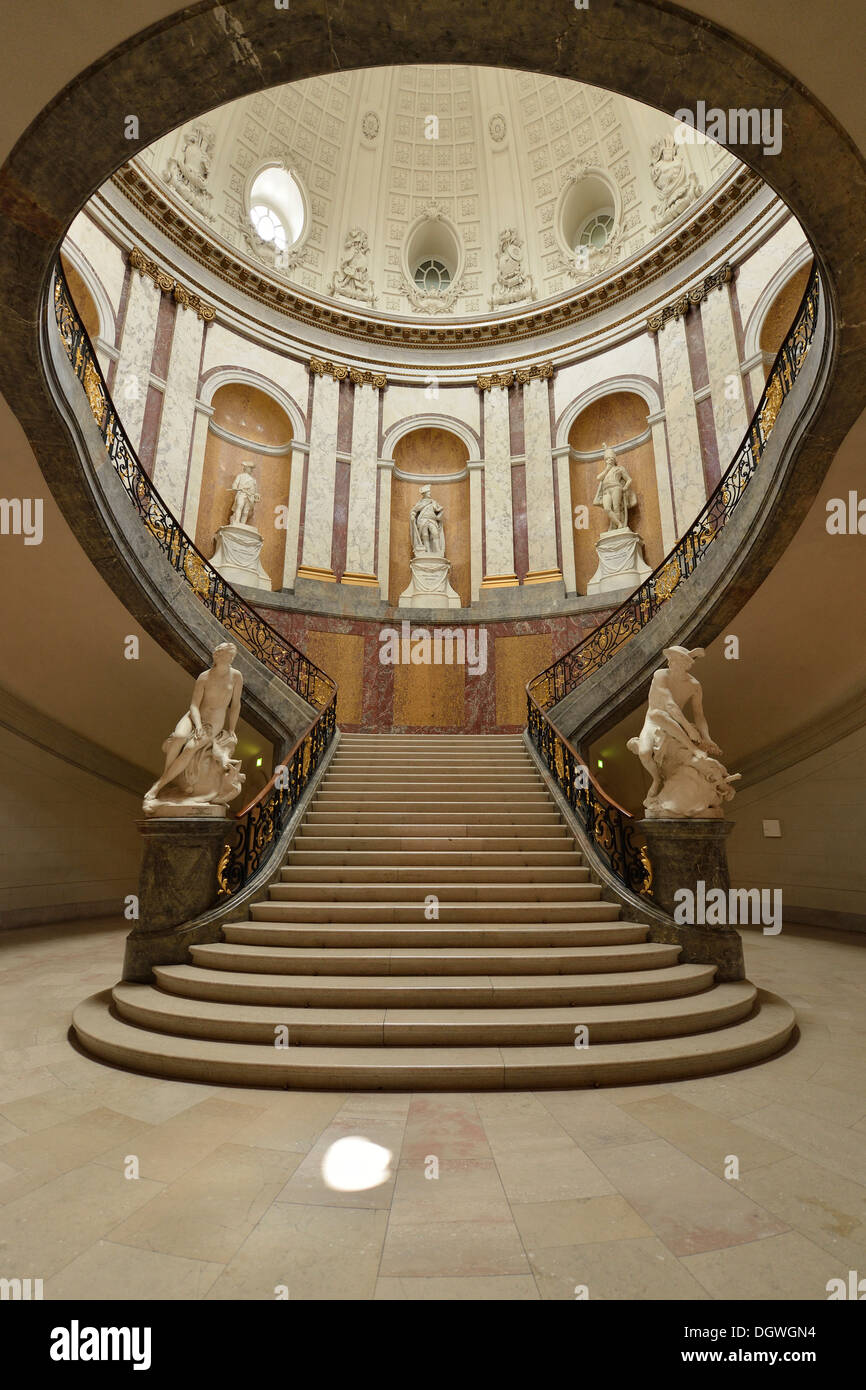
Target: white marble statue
(200,777)
(426,527)
(352,277)
(246,496)
(614,492)
(674,183)
(687,779)
(430,586)
(512,282)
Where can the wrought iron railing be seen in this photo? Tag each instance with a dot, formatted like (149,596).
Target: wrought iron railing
(552,684)
(260,823)
(609,825)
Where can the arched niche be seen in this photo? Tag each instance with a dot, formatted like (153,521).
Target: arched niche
(83,300)
(247,425)
(615,419)
(780,314)
(429,455)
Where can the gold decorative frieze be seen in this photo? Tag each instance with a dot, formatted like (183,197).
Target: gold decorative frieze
(541,371)
(500,379)
(361,377)
(168,285)
(520,375)
(338,370)
(680,306)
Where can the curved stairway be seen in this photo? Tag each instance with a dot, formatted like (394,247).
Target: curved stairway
(348,958)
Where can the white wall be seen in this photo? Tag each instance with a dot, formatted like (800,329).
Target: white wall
(819,862)
(68,837)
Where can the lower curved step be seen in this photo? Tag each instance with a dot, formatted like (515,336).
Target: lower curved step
(106,1036)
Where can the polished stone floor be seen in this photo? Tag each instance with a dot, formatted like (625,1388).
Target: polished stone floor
(256,1194)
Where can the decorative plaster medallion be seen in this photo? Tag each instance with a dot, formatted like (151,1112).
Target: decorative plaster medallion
(370,125)
(497,128)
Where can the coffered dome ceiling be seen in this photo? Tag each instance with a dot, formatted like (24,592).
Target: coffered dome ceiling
(434,192)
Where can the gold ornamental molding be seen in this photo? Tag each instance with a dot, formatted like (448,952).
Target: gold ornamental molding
(361,377)
(338,370)
(680,306)
(147,196)
(168,285)
(519,375)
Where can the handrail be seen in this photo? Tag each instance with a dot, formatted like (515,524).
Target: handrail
(568,671)
(258,826)
(608,824)
(208,585)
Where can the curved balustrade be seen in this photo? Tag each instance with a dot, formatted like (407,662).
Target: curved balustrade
(608,824)
(259,824)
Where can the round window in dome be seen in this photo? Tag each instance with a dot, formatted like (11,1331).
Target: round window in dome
(277,207)
(432,277)
(595,231)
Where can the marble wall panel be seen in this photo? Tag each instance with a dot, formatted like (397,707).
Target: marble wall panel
(341,654)
(723,368)
(429,696)
(361,525)
(178,411)
(436,398)
(321,469)
(136,354)
(684,443)
(518,659)
(103,254)
(755,273)
(540,501)
(224,348)
(498,515)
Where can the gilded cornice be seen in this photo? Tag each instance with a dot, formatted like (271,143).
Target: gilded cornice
(679,307)
(519,376)
(168,285)
(146,196)
(340,370)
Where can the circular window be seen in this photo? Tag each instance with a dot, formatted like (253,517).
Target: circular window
(277,207)
(268,225)
(432,277)
(595,231)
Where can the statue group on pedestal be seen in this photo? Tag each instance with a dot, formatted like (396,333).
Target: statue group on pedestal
(200,777)
(675,748)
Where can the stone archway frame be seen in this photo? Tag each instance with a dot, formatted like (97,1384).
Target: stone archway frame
(214,53)
(106,342)
(755,363)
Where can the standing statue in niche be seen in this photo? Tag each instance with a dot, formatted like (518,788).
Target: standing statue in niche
(200,777)
(687,778)
(246,496)
(614,492)
(426,528)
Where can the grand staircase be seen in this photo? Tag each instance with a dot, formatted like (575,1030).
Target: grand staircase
(433,928)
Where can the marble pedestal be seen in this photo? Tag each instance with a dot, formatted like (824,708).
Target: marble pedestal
(238,556)
(177,882)
(621,564)
(429,587)
(682,853)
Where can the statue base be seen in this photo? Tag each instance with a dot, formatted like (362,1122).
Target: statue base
(177,882)
(621,564)
(429,587)
(238,556)
(183,810)
(684,853)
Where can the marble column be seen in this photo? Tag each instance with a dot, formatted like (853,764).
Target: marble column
(386,473)
(667,515)
(682,425)
(132,374)
(562,464)
(361,528)
(178,410)
(476,569)
(498,517)
(293,522)
(540,502)
(321,475)
(723,365)
(189,519)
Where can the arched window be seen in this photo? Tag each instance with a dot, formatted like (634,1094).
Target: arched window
(595,231)
(277,208)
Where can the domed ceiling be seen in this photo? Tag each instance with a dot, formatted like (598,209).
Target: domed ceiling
(435,191)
